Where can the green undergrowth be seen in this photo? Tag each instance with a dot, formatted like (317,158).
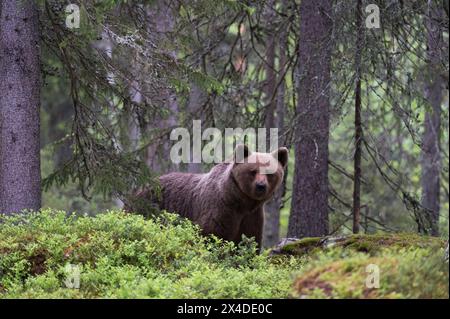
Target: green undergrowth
(119,255)
(371,267)
(402,273)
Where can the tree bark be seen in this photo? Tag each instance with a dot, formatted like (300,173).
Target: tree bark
(162,19)
(271,76)
(431,162)
(196,101)
(271,233)
(20,177)
(309,212)
(272,209)
(358,125)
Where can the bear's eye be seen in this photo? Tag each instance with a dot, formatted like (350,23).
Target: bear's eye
(253,172)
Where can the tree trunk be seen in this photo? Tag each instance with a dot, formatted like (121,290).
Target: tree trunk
(272,208)
(309,212)
(196,100)
(271,234)
(358,126)
(431,166)
(20,177)
(162,19)
(271,77)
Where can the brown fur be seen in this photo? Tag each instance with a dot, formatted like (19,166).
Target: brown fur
(225,202)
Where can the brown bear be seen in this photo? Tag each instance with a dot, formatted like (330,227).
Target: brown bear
(228,201)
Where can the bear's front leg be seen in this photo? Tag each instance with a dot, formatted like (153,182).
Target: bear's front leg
(223,224)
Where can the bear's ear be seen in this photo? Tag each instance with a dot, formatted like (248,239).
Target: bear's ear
(241,152)
(281,155)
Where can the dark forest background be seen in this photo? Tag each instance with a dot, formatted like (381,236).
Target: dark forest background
(364,111)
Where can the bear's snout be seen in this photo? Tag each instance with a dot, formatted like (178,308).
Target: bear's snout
(260,187)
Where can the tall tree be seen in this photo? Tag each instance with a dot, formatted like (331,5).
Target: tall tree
(309,213)
(276,86)
(358,125)
(20,177)
(272,209)
(161,25)
(197,98)
(431,167)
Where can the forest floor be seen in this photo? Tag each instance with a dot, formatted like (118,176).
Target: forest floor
(116,255)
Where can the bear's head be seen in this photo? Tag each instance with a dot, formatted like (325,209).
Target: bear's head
(258,175)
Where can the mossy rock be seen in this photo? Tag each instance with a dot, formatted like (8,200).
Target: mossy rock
(371,244)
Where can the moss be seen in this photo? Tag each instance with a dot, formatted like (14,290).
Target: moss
(374,243)
(404,273)
(370,244)
(302,247)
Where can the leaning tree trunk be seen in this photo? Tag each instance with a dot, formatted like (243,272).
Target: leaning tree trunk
(309,213)
(431,166)
(20,177)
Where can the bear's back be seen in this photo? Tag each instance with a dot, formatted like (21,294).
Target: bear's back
(188,194)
